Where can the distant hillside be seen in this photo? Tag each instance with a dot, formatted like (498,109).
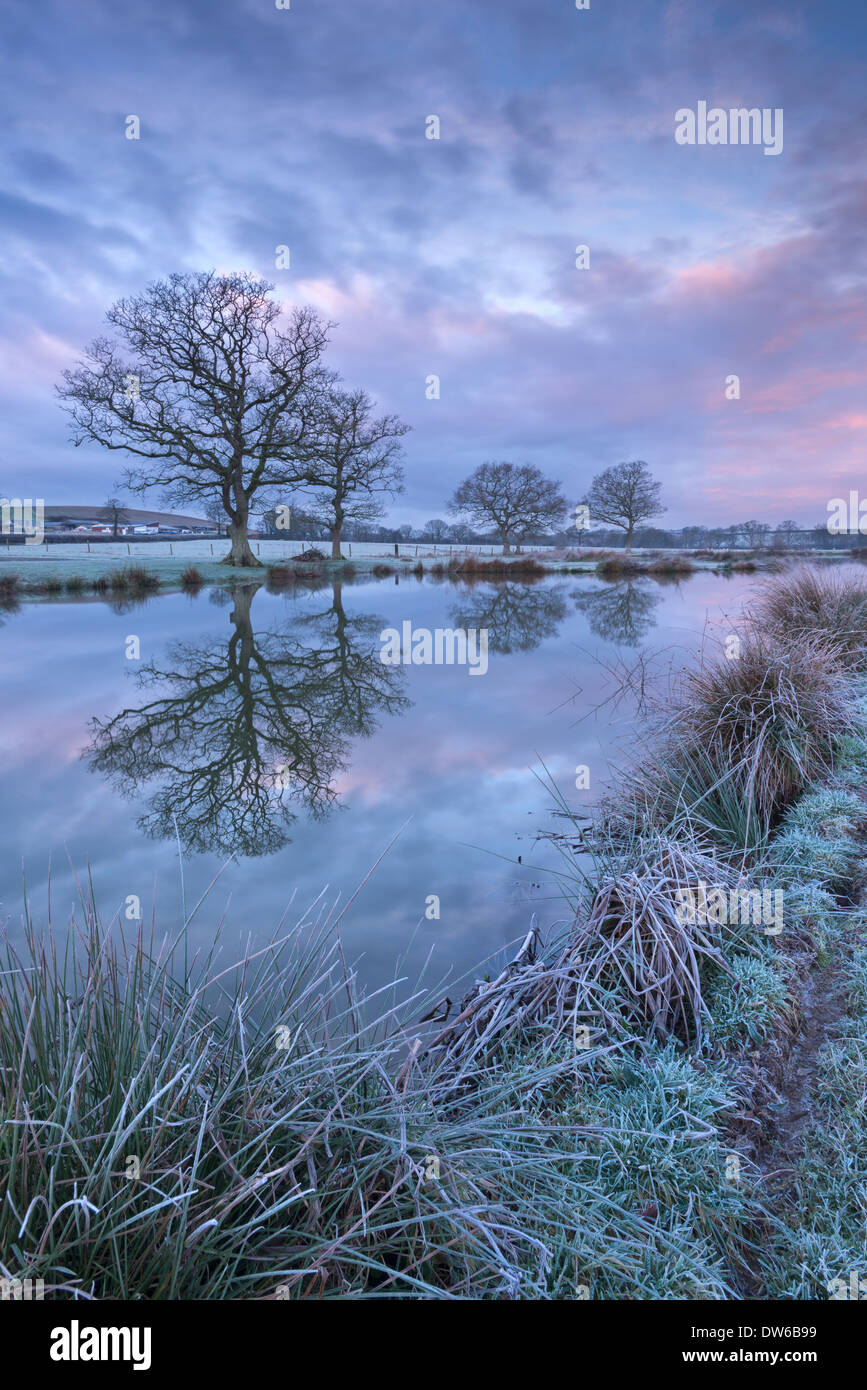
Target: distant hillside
(137,515)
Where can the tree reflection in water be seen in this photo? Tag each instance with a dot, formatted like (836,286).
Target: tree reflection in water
(518,616)
(240,732)
(624,612)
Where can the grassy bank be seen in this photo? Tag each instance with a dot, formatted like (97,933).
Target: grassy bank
(43,576)
(601,1120)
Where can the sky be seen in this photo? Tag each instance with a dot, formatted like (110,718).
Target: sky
(455,257)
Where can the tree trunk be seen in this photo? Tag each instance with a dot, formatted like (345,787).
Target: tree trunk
(335,543)
(629,541)
(240,552)
(507,549)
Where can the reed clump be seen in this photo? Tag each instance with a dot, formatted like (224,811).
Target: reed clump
(471,567)
(769,716)
(133,579)
(671,565)
(618,567)
(191,579)
(828,603)
(280,577)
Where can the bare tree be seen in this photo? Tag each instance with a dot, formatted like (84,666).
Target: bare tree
(436,530)
(785,533)
(113,510)
(517,500)
(757,533)
(624,496)
(353,458)
(205,385)
(214,511)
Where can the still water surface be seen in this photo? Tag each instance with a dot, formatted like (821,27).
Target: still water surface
(264,730)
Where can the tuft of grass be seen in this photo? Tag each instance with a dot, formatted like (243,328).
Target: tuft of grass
(10,587)
(279,577)
(639,939)
(191,578)
(828,604)
(672,566)
(472,568)
(774,712)
(618,566)
(798,855)
(76,584)
(828,811)
(816,842)
(814,911)
(748,1005)
(277,1156)
(133,579)
(850,759)
(688,790)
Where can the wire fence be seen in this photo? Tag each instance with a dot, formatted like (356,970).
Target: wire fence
(216,548)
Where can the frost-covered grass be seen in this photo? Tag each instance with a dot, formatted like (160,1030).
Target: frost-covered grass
(818,1240)
(829,603)
(746,1006)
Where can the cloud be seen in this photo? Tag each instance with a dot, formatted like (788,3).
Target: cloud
(456,257)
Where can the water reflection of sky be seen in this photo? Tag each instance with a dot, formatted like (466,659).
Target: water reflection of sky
(454,766)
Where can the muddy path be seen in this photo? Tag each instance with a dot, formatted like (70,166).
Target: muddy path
(779,1086)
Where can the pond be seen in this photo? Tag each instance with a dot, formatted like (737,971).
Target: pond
(263,735)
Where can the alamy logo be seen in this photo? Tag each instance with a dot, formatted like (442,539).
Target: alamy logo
(445,646)
(701,906)
(21,1290)
(23,517)
(77,1343)
(854,1288)
(847,518)
(737,126)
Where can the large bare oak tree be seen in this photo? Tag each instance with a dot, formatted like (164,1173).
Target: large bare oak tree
(515,500)
(211,387)
(624,496)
